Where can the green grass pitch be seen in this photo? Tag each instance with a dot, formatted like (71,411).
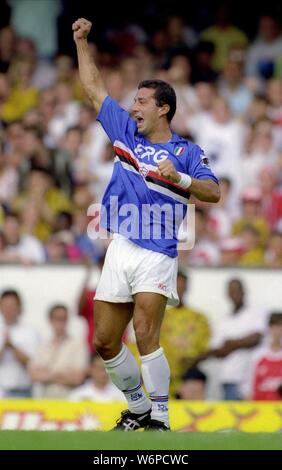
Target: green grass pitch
(64,440)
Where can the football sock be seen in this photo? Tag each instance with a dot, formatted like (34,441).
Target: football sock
(156,376)
(124,373)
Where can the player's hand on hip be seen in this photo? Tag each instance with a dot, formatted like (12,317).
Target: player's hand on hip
(81,28)
(168,171)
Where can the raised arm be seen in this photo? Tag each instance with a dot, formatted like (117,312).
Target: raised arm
(90,76)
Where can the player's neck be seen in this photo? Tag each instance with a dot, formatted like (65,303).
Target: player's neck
(160,135)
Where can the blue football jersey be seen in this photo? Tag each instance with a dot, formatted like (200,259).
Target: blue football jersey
(138,203)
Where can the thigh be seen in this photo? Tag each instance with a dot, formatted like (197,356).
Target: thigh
(113,285)
(147,320)
(156,273)
(110,321)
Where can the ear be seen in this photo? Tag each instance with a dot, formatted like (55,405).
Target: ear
(164,109)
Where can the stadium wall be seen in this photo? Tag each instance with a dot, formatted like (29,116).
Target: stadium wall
(185,416)
(43,286)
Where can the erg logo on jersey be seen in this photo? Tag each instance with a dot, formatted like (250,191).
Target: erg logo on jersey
(149,153)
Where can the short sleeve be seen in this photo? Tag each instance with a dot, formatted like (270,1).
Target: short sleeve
(198,165)
(115,120)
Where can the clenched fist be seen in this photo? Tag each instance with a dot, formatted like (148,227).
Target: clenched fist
(81,28)
(167,170)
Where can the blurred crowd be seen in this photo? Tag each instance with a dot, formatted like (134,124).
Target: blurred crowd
(55,159)
(245,348)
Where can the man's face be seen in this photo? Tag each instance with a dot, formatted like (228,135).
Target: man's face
(235,292)
(59,321)
(10,309)
(11,230)
(276,332)
(145,111)
(192,389)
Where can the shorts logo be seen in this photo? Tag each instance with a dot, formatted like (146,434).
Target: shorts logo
(162,286)
(179,151)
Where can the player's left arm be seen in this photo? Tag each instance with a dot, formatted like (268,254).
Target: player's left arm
(203,189)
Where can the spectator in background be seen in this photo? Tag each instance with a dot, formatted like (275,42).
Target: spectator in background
(251,199)
(4,89)
(263,53)
(202,69)
(7,47)
(257,110)
(179,74)
(274,250)
(222,137)
(60,363)
(224,35)
(233,338)
(231,250)
(91,250)
(185,332)
(253,254)
(264,377)
(66,113)
(192,386)
(261,151)
(180,36)
(274,109)
(23,95)
(99,387)
(41,189)
(38,21)
(66,73)
(18,344)
(205,251)
(56,250)
(232,86)
(8,179)
(86,307)
(20,248)
(222,215)
(272,196)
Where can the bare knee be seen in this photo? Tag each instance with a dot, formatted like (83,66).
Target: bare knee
(147,319)
(105,347)
(147,337)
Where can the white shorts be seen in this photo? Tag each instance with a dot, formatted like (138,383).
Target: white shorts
(129,269)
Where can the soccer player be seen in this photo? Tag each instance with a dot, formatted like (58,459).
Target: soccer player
(153,168)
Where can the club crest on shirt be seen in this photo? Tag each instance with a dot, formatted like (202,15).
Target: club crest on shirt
(143,170)
(179,151)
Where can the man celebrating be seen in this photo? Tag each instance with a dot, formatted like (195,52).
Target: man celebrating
(154,168)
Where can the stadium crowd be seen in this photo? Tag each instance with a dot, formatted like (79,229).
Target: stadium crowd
(247,346)
(55,161)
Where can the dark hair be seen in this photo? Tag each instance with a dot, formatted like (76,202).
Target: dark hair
(164,94)
(275,318)
(194,374)
(237,281)
(56,307)
(205,47)
(13,293)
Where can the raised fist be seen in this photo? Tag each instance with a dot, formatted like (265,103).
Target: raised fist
(81,28)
